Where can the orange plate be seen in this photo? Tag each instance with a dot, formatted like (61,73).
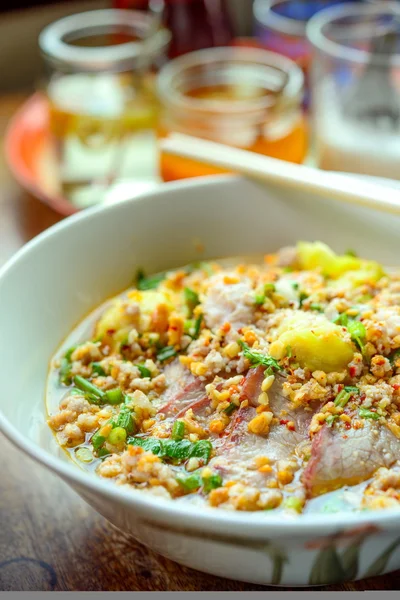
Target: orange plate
(30,155)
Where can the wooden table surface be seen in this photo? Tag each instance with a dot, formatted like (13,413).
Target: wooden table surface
(50,539)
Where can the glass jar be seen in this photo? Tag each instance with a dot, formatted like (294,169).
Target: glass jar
(356,88)
(243,97)
(102,104)
(280,26)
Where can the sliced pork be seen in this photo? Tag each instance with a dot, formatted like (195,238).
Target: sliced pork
(346,457)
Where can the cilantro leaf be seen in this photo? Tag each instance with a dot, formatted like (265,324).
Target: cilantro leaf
(258,359)
(148,283)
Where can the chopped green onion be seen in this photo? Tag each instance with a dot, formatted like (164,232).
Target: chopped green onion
(289,352)
(84,455)
(192,328)
(229,409)
(97,440)
(188,325)
(103,452)
(295,285)
(65,376)
(69,352)
(357,332)
(342,320)
(355,328)
(191,298)
(85,385)
(212,482)
(330,419)
(144,371)
(92,399)
(269,371)
(316,307)
(114,396)
(197,326)
(352,389)
(144,283)
(368,414)
(394,356)
(193,482)
(269,288)
(351,253)
(342,398)
(166,353)
(153,339)
(364,298)
(75,392)
(178,430)
(126,420)
(98,369)
(302,296)
(117,436)
(259,299)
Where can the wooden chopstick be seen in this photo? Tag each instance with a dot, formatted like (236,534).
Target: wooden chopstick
(337,186)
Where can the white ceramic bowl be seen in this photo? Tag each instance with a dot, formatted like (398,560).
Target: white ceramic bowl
(61,275)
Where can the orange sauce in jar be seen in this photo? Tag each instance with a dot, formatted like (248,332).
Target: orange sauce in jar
(246,115)
(292,147)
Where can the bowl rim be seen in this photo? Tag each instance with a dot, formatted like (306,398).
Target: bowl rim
(178,516)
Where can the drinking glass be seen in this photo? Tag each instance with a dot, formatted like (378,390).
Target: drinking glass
(280,26)
(356,88)
(244,97)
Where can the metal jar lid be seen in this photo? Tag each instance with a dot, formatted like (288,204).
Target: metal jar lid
(55,40)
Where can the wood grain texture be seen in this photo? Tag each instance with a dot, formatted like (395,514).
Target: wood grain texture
(50,539)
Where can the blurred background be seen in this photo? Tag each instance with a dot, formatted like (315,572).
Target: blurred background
(22,20)
(101,82)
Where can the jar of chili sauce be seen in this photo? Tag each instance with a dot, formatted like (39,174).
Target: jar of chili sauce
(245,97)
